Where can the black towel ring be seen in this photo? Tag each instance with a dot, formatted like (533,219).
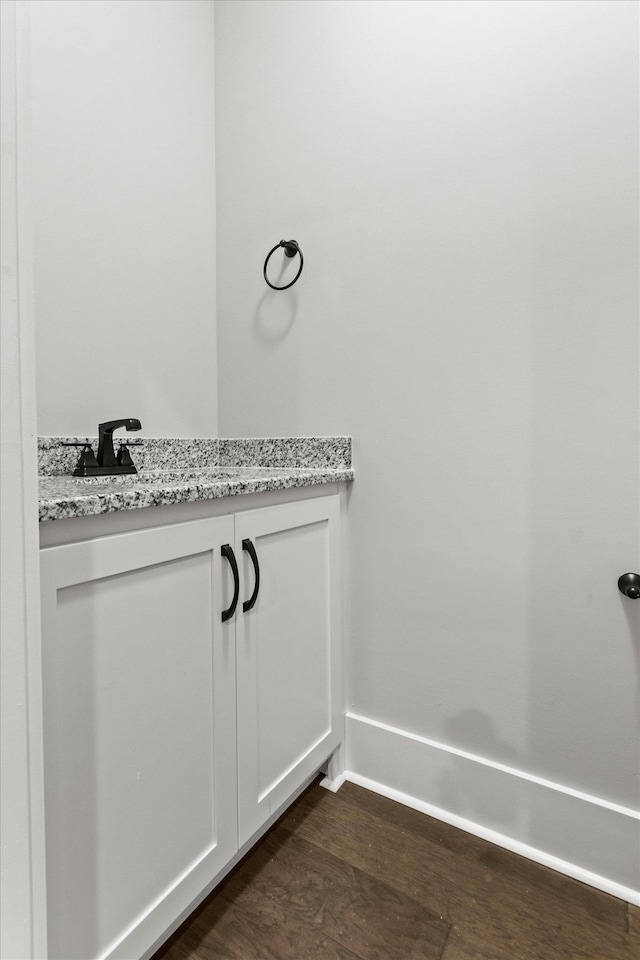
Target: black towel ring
(290,249)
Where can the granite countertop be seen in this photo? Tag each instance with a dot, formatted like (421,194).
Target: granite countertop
(210,469)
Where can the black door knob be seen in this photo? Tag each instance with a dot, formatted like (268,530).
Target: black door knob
(629,584)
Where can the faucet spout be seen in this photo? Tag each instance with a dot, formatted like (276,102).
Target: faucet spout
(106,453)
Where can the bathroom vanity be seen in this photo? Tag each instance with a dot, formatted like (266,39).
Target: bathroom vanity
(192,675)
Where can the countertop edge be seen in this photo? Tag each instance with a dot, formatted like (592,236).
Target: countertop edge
(154,492)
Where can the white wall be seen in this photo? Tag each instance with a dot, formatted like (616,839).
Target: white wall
(124,215)
(22,901)
(462,179)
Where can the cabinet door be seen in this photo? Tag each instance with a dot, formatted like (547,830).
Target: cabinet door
(288,653)
(139,715)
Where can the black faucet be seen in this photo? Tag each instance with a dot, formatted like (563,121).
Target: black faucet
(107,463)
(106,453)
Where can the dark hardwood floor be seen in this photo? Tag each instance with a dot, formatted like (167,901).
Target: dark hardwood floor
(354,876)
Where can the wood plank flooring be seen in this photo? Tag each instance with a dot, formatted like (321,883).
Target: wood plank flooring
(354,876)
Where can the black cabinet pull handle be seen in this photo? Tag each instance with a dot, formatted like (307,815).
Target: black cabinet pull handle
(228,554)
(629,585)
(251,550)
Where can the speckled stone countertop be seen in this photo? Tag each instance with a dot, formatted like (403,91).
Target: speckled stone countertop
(181,471)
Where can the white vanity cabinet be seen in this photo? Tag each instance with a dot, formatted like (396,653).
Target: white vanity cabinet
(288,653)
(172,737)
(139,731)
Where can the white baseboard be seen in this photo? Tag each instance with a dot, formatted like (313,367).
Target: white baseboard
(333,785)
(584,837)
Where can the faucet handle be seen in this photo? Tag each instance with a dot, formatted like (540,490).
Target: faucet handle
(123,457)
(87,459)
